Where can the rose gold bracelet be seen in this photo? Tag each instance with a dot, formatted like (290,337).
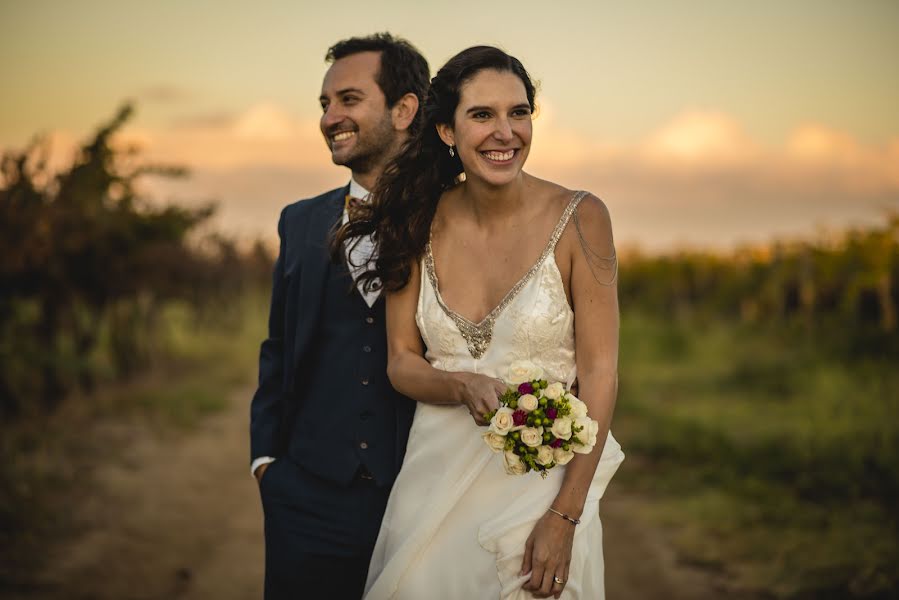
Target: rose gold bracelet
(564,516)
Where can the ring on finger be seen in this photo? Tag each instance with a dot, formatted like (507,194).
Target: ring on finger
(558,580)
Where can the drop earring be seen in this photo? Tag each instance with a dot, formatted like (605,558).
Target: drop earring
(452,151)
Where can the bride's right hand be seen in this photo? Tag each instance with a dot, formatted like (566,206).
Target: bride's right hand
(480,394)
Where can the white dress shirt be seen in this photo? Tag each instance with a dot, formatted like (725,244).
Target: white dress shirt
(363,251)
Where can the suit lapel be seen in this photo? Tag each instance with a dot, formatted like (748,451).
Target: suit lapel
(315,264)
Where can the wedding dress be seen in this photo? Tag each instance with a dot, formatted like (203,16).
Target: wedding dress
(456,523)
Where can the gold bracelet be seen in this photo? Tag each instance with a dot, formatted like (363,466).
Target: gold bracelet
(564,516)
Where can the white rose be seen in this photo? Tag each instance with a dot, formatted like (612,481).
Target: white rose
(523,370)
(496,442)
(593,431)
(502,421)
(532,436)
(554,391)
(587,434)
(582,427)
(582,448)
(578,408)
(513,464)
(562,456)
(528,402)
(562,428)
(544,455)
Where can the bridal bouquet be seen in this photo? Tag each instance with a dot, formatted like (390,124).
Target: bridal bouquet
(539,424)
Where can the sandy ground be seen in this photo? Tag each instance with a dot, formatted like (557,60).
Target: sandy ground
(177,516)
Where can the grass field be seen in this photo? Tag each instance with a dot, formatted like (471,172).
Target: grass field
(767,455)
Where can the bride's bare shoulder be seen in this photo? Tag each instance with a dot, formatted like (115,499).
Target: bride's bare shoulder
(590,227)
(556,197)
(590,208)
(447,211)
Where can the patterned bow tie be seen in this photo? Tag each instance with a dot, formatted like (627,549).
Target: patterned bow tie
(352,205)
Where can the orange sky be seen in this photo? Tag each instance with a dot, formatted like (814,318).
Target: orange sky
(704,123)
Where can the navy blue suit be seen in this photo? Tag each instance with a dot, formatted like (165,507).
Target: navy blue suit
(325,409)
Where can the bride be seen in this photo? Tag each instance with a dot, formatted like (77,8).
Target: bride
(485,266)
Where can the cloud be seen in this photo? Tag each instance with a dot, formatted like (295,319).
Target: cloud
(700,140)
(701,179)
(707,144)
(862,168)
(216,119)
(165,93)
(698,179)
(263,135)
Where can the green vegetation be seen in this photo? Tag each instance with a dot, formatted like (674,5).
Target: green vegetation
(201,359)
(769,454)
(842,289)
(87,265)
(114,310)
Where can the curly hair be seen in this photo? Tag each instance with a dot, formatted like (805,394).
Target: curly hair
(405,198)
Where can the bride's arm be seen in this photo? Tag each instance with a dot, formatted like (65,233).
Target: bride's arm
(594,296)
(413,376)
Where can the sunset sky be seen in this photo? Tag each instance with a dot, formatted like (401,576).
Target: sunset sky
(699,122)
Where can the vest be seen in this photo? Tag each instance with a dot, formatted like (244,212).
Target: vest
(347,415)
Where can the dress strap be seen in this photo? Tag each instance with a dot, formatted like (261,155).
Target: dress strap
(563,222)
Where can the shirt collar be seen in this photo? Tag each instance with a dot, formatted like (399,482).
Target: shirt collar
(357,191)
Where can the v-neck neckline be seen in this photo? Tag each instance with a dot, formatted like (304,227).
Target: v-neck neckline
(491,316)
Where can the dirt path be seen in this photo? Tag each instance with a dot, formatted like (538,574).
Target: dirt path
(178,517)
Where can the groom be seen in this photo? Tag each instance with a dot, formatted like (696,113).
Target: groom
(327,431)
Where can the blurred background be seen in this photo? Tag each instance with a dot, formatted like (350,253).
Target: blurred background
(749,155)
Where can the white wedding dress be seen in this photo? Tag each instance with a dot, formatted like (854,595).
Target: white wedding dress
(456,523)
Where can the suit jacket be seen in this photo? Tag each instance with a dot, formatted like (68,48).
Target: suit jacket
(297,291)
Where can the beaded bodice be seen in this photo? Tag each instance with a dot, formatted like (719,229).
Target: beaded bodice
(533,321)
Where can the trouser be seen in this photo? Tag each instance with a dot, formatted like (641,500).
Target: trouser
(319,536)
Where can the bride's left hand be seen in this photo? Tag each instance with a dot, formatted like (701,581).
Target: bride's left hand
(547,554)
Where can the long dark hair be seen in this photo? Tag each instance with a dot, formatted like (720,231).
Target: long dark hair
(405,197)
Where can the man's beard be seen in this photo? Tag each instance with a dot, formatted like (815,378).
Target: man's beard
(377,147)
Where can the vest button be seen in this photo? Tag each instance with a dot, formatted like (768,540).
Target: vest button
(365,381)
(366,348)
(369,320)
(363,445)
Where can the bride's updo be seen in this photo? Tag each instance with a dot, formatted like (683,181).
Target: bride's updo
(405,197)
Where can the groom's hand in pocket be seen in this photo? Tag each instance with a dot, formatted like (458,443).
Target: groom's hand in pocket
(480,394)
(260,471)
